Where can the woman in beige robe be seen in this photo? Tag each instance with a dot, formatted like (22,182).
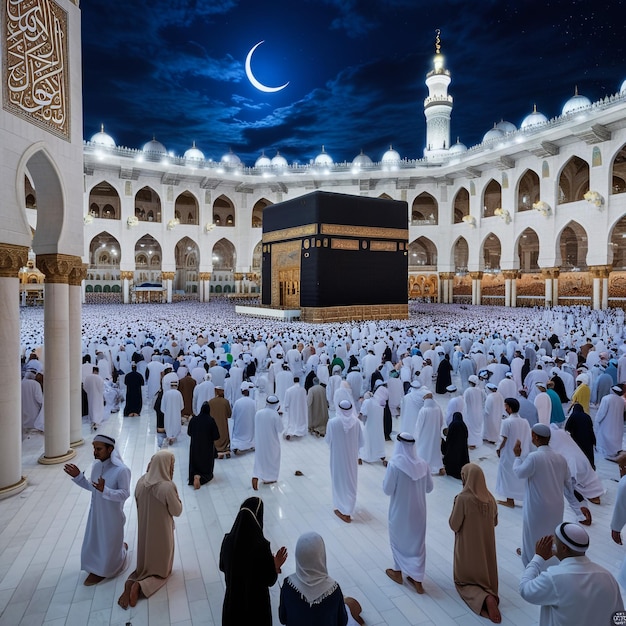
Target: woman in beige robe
(157,504)
(473,520)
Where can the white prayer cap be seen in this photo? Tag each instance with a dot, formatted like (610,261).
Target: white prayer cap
(555,371)
(542,430)
(336,369)
(473,379)
(272,400)
(582,378)
(379,383)
(245,386)
(109,441)
(617,389)
(416,384)
(345,405)
(451,388)
(574,536)
(491,386)
(406,437)
(207,376)
(509,374)
(540,385)
(174,383)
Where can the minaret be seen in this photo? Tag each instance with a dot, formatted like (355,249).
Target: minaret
(438,106)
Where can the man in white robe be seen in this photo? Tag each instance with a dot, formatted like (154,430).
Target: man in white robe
(32,400)
(494,409)
(473,415)
(609,423)
(543,404)
(371,415)
(574,591)
(456,404)
(355,380)
(172,405)
(94,388)
(547,480)
(284,380)
(202,393)
(618,521)
(412,402)
(103,554)
(507,387)
(513,428)
(407,481)
(242,420)
(295,409)
(428,433)
(345,437)
(268,426)
(154,369)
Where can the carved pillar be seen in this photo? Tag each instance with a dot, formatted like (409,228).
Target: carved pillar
(127,278)
(204,279)
(476,287)
(238,276)
(551,276)
(168,278)
(509,277)
(600,275)
(12,259)
(56,268)
(446,280)
(76,278)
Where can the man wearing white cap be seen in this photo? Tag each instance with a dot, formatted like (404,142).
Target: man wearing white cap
(172,405)
(576,590)
(203,392)
(609,423)
(473,416)
(542,403)
(103,554)
(507,387)
(221,412)
(456,404)
(412,402)
(244,410)
(494,411)
(582,394)
(295,409)
(407,481)
(345,437)
(428,433)
(268,425)
(547,480)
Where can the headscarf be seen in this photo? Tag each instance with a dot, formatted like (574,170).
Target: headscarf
(115,457)
(311,578)
(347,414)
(474,482)
(160,469)
(405,457)
(245,539)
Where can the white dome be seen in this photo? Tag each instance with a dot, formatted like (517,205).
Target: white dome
(279,161)
(494,133)
(262,161)
(154,146)
(457,148)
(102,139)
(323,158)
(230,158)
(575,103)
(622,89)
(193,154)
(533,119)
(361,160)
(506,127)
(391,156)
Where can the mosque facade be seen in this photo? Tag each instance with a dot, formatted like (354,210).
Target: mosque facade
(531,215)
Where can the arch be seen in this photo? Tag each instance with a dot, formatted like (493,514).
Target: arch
(572,246)
(491,252)
(424,210)
(492,198)
(224,255)
(574,180)
(257,212)
(257,258)
(218,289)
(422,253)
(527,191)
(618,172)
(460,255)
(148,257)
(460,205)
(104,201)
(105,252)
(187,207)
(528,250)
(223,209)
(617,244)
(187,255)
(30,194)
(147,205)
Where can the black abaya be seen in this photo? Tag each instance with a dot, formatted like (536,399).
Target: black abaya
(454,448)
(204,433)
(444,375)
(134,401)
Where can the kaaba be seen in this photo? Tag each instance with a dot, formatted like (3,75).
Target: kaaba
(336,257)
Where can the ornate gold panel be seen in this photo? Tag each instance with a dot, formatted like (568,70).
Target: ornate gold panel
(344,244)
(290,233)
(383,246)
(364,231)
(286,274)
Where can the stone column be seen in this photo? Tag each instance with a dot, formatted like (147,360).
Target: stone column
(127,278)
(476,286)
(168,277)
(238,276)
(549,275)
(508,278)
(447,287)
(443,288)
(76,277)
(12,259)
(514,289)
(56,268)
(600,275)
(204,279)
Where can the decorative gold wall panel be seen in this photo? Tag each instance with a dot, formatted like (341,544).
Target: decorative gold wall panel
(383,246)
(286,266)
(290,233)
(364,231)
(344,244)
(355,312)
(36,64)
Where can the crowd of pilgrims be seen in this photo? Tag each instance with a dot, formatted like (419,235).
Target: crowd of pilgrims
(446,380)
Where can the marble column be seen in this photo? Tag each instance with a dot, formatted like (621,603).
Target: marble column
(127,278)
(76,277)
(168,277)
(600,275)
(238,276)
(204,279)
(550,276)
(514,290)
(509,279)
(56,268)
(476,287)
(443,288)
(12,259)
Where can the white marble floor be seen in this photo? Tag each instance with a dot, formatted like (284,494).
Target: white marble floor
(41,533)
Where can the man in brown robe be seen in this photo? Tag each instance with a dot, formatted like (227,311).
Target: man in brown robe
(317,404)
(186,386)
(221,412)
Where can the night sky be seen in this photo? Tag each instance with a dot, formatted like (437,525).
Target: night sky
(175,69)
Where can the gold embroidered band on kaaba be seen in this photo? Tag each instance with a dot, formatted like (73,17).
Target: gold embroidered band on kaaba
(336,229)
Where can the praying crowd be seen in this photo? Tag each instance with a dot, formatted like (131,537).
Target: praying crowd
(516,409)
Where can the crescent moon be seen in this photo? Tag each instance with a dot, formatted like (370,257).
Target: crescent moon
(260,86)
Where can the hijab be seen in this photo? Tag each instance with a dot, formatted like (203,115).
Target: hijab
(311,578)
(405,457)
(160,468)
(474,483)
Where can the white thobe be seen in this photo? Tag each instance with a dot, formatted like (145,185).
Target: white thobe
(94,388)
(547,479)
(284,380)
(202,393)
(103,552)
(172,407)
(494,409)
(373,448)
(295,408)
(32,401)
(396,393)
(455,405)
(267,428)
(507,388)
(618,521)
(508,485)
(609,425)
(154,379)
(543,404)
(344,454)
(473,416)
(407,520)
(410,408)
(428,432)
(242,421)
(355,380)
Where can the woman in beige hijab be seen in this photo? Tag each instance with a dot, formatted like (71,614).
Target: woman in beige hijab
(157,504)
(473,520)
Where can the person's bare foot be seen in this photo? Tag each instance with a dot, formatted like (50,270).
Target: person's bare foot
(124,599)
(355,609)
(418,585)
(92,579)
(472,447)
(442,472)
(342,517)
(196,481)
(135,590)
(587,513)
(395,575)
(493,612)
(255,483)
(508,502)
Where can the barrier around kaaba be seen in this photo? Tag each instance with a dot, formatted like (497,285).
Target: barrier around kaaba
(336,257)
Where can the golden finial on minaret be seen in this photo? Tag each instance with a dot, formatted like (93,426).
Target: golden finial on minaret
(438,41)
